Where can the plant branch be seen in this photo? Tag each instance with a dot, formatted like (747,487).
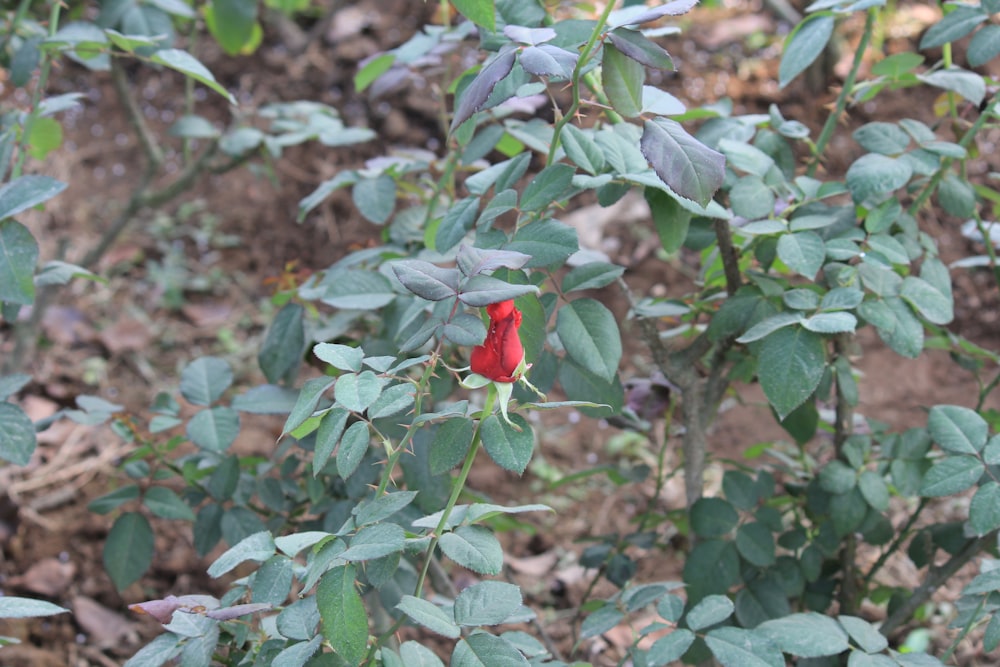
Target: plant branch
(831,122)
(730,260)
(936,577)
(150,146)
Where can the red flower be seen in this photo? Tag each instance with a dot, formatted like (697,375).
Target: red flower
(501,353)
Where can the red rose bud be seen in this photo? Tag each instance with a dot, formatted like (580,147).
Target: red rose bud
(500,355)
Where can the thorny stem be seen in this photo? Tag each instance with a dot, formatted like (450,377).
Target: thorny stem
(842,429)
(458,487)
(831,121)
(936,577)
(575,81)
(901,536)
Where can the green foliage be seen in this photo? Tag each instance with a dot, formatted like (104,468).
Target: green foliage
(340,534)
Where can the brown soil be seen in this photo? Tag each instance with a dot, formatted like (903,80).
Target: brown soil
(125,340)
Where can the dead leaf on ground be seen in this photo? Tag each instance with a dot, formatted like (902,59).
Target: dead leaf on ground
(105,627)
(126,335)
(49,577)
(534,566)
(208,315)
(66,325)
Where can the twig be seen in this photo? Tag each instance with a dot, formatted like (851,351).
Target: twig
(936,577)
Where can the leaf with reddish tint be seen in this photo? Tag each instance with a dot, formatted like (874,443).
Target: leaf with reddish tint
(475,95)
(689,167)
(622,78)
(640,48)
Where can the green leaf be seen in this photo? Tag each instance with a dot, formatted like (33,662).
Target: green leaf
(864,634)
(205,379)
(956,195)
(803,252)
(481,290)
(927,300)
(353,447)
(341,357)
(487,603)
(666,650)
(231,23)
(984,510)
(601,620)
(457,222)
(808,635)
(480,12)
(354,289)
(548,242)
(873,487)
(256,547)
(985,45)
(836,477)
(803,45)
(46,136)
(510,446)
(18,257)
(215,428)
(713,517)
(589,333)
(327,436)
(17,435)
(547,187)
(372,70)
(736,647)
(769,325)
(166,504)
(755,543)
(343,615)
(281,352)
(397,399)
(951,475)
(790,365)
(312,391)
(957,429)
(112,501)
(26,192)
(430,616)
(883,138)
(128,549)
(273,581)
(427,280)
(672,221)
(450,444)
(356,391)
(829,323)
(375,197)
(873,176)
(375,541)
(751,198)
(955,25)
(475,548)
(690,168)
(622,78)
(710,611)
(188,65)
(968,84)
(15,607)
(896,325)
(581,149)
(592,275)
(482,649)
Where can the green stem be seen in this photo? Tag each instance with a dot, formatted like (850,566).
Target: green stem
(575,80)
(831,122)
(36,95)
(394,456)
(458,487)
(947,162)
(946,656)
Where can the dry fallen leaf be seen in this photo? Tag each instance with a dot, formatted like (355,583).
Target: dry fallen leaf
(125,335)
(49,577)
(105,627)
